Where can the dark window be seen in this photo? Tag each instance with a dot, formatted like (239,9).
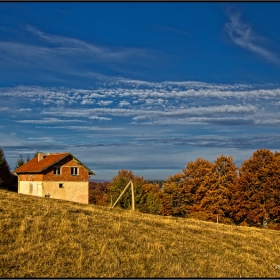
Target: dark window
(74,171)
(60,185)
(56,171)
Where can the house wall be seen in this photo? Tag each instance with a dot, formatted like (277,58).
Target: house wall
(72,191)
(31,187)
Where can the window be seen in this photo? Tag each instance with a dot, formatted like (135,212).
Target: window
(60,185)
(74,171)
(56,170)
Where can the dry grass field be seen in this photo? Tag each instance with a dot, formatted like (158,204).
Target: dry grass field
(41,237)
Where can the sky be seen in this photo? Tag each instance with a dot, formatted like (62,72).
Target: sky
(145,86)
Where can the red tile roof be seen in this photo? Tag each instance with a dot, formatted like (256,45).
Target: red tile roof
(35,166)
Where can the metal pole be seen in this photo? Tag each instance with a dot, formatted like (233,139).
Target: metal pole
(121,194)
(132,197)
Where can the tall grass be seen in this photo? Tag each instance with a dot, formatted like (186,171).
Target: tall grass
(42,237)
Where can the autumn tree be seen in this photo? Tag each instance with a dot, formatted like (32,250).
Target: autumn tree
(257,194)
(195,175)
(120,181)
(214,193)
(98,193)
(179,195)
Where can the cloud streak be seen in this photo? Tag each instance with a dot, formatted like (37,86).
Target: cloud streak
(74,46)
(148,103)
(242,34)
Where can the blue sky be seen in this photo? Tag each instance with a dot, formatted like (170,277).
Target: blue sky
(146,87)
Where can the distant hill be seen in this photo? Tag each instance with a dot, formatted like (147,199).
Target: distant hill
(98,181)
(42,237)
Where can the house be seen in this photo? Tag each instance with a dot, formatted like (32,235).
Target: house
(55,175)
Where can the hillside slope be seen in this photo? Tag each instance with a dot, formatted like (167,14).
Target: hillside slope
(43,237)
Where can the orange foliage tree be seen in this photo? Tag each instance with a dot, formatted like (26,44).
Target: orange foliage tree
(257,194)
(214,193)
(179,194)
(98,193)
(203,190)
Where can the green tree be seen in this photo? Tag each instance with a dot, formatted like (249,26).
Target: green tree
(20,162)
(7,180)
(120,181)
(150,201)
(27,158)
(172,196)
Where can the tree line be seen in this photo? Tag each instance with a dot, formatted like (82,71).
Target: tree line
(218,191)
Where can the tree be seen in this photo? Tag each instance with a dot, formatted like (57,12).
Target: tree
(171,196)
(7,180)
(20,162)
(27,158)
(150,201)
(120,181)
(180,194)
(257,194)
(215,191)
(195,175)
(98,193)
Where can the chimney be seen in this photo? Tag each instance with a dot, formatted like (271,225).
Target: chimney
(40,156)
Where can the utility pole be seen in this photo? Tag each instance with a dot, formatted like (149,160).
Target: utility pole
(132,195)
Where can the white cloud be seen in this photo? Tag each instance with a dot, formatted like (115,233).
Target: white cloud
(89,128)
(104,103)
(4,109)
(100,118)
(48,121)
(87,101)
(42,139)
(153,103)
(25,110)
(123,103)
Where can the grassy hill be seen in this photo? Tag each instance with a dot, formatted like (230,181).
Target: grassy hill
(42,237)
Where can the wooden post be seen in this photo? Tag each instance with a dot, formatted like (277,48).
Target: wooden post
(132,195)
